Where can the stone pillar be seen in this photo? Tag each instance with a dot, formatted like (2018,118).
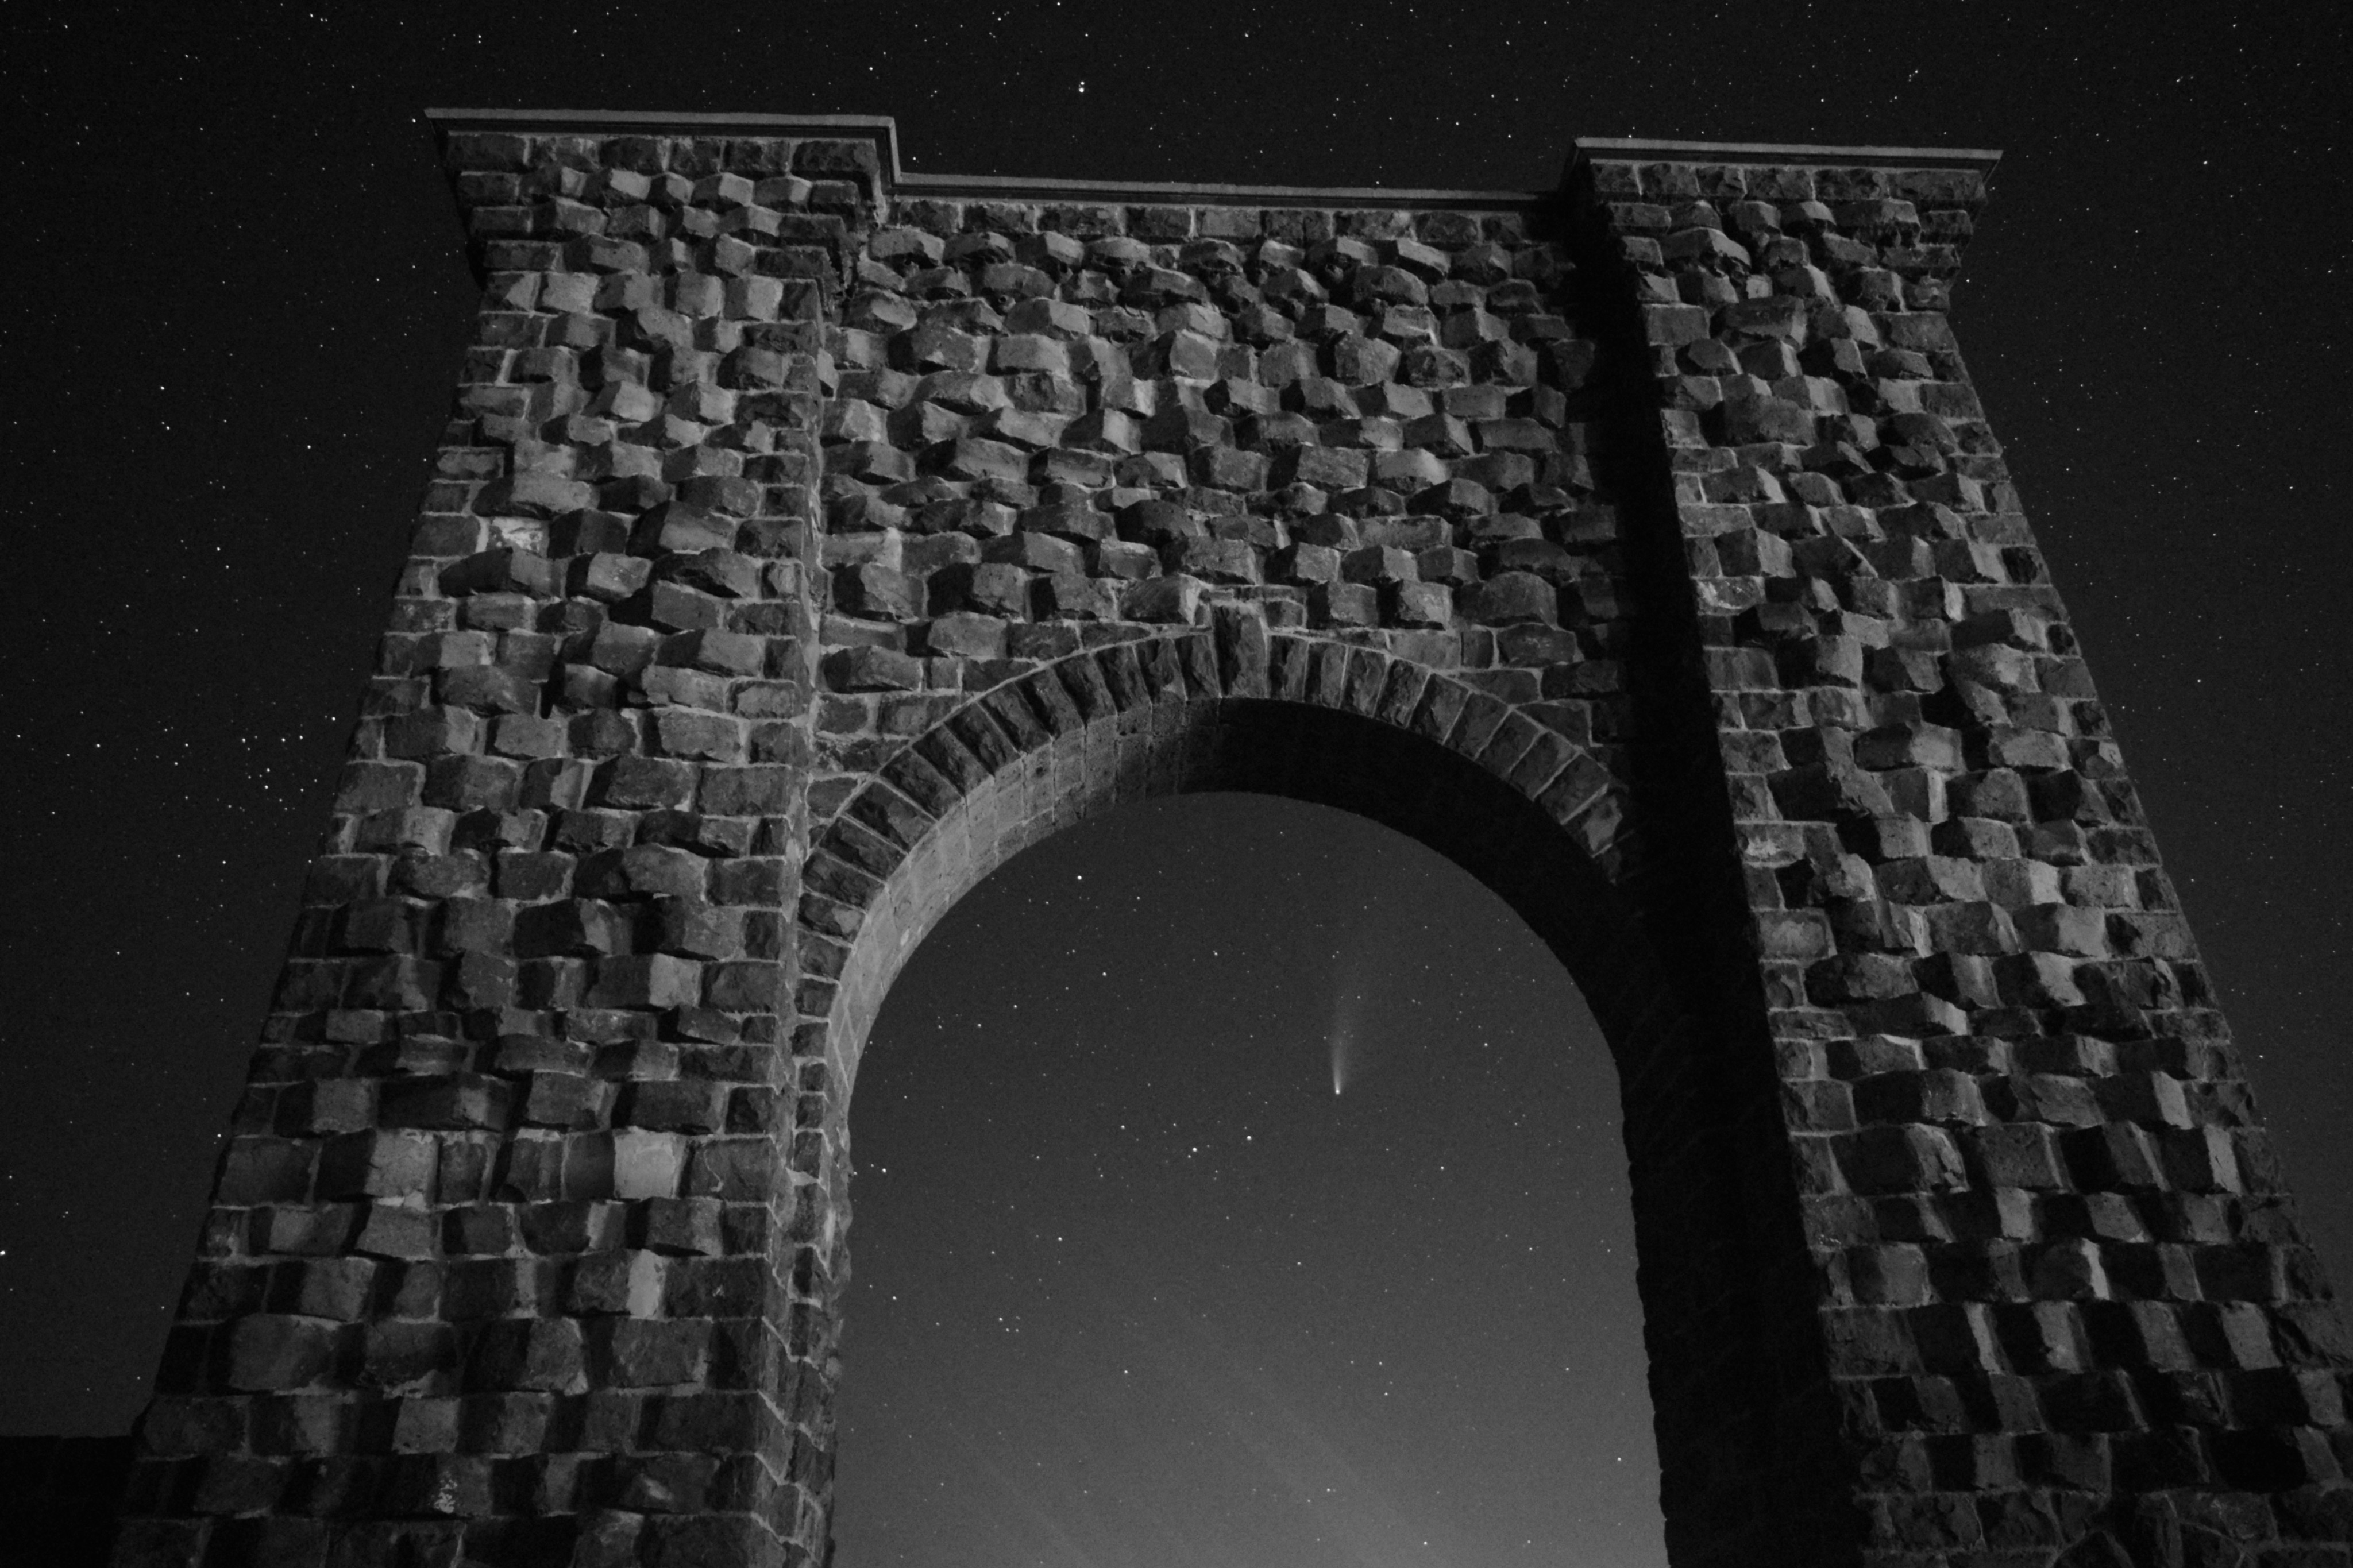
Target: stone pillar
(516,1248)
(2062,1294)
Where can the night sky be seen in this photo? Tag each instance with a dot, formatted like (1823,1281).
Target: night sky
(1133,1285)
(1242,1318)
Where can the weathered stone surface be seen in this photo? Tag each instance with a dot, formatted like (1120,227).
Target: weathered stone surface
(1649,554)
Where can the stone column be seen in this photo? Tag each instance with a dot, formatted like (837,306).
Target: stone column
(2062,1294)
(517,1252)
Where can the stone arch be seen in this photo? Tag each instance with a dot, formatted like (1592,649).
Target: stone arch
(1279,713)
(1540,821)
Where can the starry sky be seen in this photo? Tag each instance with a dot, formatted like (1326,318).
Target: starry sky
(1278,1215)
(240,303)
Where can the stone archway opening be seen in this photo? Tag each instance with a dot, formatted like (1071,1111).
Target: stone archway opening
(1133,1282)
(1412,749)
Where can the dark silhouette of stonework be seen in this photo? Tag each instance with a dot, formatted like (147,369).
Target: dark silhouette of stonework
(808,538)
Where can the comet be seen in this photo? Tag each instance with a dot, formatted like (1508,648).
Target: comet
(1342,1039)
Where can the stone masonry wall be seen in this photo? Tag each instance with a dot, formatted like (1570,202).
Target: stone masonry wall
(1360,446)
(2063,1294)
(514,1249)
(1067,426)
(806,541)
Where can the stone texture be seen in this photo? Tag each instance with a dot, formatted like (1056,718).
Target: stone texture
(801,549)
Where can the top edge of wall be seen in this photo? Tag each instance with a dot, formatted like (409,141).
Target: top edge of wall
(879,129)
(983,187)
(883,130)
(1619,149)
(575,120)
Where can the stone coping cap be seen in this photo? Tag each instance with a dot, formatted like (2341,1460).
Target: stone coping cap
(983,187)
(1638,149)
(878,128)
(883,130)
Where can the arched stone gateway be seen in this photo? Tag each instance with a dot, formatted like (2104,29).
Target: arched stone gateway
(1415,750)
(811,537)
